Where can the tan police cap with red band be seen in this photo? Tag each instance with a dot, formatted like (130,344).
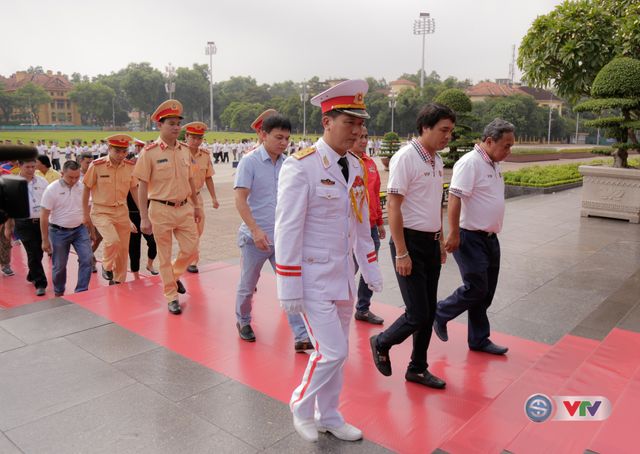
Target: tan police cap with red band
(346,97)
(139,143)
(257,123)
(196,128)
(119,140)
(171,108)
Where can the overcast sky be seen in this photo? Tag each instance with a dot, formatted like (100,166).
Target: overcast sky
(271,40)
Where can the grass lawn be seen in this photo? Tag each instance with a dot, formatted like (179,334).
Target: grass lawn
(66,136)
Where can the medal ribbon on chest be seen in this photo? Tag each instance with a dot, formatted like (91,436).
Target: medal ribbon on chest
(358,195)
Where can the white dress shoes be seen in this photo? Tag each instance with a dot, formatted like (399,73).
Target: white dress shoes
(306,428)
(347,432)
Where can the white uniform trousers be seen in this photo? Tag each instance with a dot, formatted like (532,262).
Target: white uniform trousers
(318,395)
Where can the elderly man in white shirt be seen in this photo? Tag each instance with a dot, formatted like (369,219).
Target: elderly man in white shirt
(476,212)
(61,226)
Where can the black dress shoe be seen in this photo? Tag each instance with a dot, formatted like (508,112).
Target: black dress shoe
(174,307)
(441,330)
(57,295)
(426,378)
(380,358)
(40,291)
(492,349)
(246,333)
(193,269)
(113,282)
(107,275)
(369,317)
(302,346)
(181,288)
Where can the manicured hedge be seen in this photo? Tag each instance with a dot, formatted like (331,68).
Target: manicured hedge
(552,175)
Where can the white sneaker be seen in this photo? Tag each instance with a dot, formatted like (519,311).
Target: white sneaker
(306,428)
(347,432)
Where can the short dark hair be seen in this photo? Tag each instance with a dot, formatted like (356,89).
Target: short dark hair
(431,114)
(25,160)
(333,114)
(44,160)
(70,165)
(276,121)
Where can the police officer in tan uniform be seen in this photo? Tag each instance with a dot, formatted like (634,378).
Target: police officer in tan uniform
(166,180)
(107,182)
(203,174)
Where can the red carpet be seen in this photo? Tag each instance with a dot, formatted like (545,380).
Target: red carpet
(401,416)
(16,291)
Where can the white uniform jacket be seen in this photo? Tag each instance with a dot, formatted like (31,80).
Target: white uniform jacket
(317,230)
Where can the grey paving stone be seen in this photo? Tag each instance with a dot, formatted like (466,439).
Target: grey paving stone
(52,323)
(33,307)
(538,331)
(111,342)
(327,444)
(7,447)
(132,420)
(170,374)
(631,321)
(42,379)
(9,342)
(247,414)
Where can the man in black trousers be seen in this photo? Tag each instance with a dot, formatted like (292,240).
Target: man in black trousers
(414,194)
(28,229)
(476,212)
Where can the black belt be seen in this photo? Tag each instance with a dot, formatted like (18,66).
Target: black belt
(171,204)
(420,234)
(482,233)
(58,227)
(29,220)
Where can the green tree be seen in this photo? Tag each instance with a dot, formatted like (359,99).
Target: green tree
(192,89)
(7,103)
(239,115)
(568,46)
(144,87)
(30,97)
(95,102)
(616,91)
(463,137)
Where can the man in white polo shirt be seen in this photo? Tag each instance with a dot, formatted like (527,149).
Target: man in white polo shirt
(414,192)
(476,211)
(61,226)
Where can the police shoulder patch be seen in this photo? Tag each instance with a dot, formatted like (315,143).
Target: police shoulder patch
(304,153)
(150,145)
(129,161)
(99,161)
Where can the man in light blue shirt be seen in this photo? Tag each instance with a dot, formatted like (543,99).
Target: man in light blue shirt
(256,193)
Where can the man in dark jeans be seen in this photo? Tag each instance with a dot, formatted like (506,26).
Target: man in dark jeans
(415,220)
(476,212)
(28,229)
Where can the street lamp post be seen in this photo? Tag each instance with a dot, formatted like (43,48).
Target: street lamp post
(426,25)
(392,105)
(211,50)
(304,97)
(170,85)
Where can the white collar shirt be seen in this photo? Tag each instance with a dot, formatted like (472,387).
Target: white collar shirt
(64,203)
(36,188)
(478,182)
(418,177)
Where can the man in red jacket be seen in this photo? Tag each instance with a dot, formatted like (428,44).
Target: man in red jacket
(377,225)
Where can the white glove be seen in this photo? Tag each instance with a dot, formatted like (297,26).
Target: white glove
(375,286)
(292,306)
